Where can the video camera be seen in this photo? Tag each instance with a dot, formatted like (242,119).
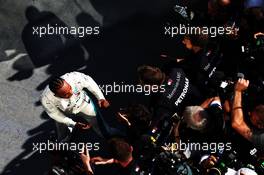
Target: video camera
(225,87)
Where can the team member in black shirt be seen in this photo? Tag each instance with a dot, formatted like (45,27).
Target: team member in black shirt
(176,91)
(122,154)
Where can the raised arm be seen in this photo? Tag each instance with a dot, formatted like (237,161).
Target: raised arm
(237,116)
(102,161)
(85,156)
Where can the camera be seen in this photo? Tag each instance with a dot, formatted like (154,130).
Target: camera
(161,133)
(169,163)
(152,153)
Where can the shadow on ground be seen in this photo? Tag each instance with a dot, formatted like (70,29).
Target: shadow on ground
(131,35)
(29,161)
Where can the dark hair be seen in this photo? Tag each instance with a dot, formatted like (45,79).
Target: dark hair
(199,39)
(253,20)
(120,149)
(55,84)
(138,115)
(150,75)
(259,110)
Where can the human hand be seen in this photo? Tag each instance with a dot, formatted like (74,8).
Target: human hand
(85,157)
(103,103)
(101,161)
(241,85)
(209,162)
(123,118)
(80,125)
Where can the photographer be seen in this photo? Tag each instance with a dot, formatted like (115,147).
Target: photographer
(136,119)
(252,43)
(205,122)
(202,65)
(254,134)
(122,156)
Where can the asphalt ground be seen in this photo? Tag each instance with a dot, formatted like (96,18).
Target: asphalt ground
(130,35)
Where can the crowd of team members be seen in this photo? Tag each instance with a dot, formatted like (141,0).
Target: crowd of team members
(217,87)
(214,95)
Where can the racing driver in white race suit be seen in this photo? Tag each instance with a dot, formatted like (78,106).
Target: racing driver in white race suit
(66,95)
